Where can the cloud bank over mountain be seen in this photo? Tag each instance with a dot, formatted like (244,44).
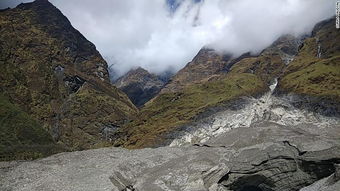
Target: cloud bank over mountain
(162,35)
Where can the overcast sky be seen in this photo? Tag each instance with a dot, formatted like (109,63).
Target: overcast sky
(159,35)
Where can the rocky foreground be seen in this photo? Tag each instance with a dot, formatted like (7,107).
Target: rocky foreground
(266,157)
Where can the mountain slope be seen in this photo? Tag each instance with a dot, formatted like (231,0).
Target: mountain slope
(210,81)
(58,77)
(195,93)
(139,85)
(315,72)
(22,137)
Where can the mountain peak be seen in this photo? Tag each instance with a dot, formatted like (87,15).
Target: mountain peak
(36,4)
(206,64)
(140,85)
(138,70)
(285,44)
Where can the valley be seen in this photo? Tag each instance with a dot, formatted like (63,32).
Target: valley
(266,121)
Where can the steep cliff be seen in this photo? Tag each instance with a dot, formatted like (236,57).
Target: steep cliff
(58,77)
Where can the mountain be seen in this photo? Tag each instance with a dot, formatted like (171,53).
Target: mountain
(139,85)
(223,123)
(206,65)
(213,83)
(56,76)
(209,63)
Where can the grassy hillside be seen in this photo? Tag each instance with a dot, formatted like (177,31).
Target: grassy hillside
(21,137)
(320,78)
(315,71)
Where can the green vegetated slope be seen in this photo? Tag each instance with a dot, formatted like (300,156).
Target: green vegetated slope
(315,71)
(22,137)
(55,75)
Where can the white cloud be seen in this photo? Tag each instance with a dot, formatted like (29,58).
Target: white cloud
(130,33)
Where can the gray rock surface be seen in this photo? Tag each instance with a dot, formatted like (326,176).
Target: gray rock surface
(267,157)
